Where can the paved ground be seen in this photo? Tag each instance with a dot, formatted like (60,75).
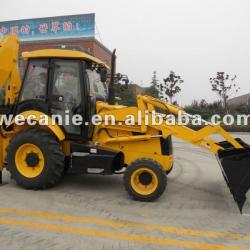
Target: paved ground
(94,212)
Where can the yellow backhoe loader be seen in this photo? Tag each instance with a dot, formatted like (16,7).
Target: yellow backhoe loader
(67,83)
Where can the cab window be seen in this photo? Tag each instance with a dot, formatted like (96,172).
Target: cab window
(97,87)
(35,82)
(66,83)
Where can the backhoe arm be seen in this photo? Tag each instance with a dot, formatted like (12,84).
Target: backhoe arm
(9,73)
(9,82)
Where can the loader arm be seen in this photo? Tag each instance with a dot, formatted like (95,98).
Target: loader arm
(198,138)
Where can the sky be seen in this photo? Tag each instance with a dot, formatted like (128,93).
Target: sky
(194,38)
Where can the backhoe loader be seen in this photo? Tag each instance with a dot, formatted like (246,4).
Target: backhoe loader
(56,81)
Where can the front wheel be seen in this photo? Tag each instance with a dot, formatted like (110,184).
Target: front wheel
(35,159)
(145,180)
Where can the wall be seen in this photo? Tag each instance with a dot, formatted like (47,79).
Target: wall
(244,99)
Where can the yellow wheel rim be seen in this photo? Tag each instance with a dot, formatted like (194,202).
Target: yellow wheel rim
(144,181)
(27,167)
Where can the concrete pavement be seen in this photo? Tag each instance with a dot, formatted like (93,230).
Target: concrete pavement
(196,211)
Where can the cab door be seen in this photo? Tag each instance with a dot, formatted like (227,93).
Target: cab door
(96,91)
(66,95)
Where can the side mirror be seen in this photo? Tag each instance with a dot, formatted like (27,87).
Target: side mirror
(104,75)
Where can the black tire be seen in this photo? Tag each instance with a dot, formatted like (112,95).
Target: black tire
(52,153)
(159,173)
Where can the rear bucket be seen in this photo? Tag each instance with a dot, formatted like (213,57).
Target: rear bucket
(235,165)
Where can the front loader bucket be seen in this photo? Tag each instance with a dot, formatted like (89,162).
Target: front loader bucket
(235,165)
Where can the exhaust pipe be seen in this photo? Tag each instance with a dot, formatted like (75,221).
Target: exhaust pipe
(235,166)
(111,99)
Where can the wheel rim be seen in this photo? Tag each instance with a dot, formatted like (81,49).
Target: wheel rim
(29,160)
(144,181)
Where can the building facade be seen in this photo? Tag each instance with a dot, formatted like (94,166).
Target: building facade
(69,32)
(136,89)
(240,100)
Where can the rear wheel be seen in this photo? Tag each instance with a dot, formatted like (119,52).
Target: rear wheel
(35,159)
(145,180)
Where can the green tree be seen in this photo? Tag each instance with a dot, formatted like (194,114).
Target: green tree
(224,86)
(154,85)
(125,94)
(170,86)
(206,110)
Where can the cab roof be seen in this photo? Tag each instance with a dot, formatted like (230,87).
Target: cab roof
(62,53)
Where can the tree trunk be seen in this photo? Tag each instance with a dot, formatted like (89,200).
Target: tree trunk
(225,105)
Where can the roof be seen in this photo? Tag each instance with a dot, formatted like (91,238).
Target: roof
(66,40)
(62,53)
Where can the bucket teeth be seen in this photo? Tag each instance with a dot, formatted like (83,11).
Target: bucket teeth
(240,200)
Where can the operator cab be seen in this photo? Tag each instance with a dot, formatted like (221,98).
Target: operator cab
(64,83)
